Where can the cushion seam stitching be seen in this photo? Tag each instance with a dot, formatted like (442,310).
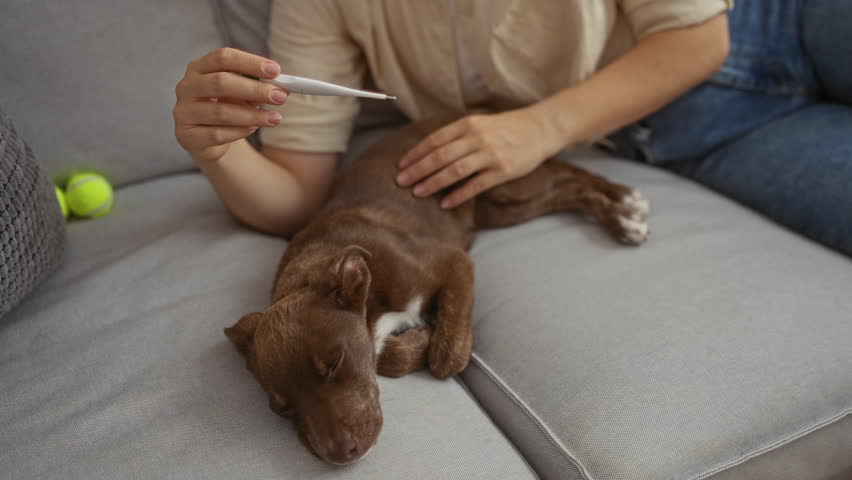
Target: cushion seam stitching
(784,441)
(531,415)
(470,395)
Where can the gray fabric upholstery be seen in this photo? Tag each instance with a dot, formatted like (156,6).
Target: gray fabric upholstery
(32,229)
(91,83)
(244,23)
(119,367)
(722,339)
(820,454)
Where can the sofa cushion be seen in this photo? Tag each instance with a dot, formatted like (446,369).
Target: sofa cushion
(91,82)
(119,367)
(244,23)
(723,339)
(32,228)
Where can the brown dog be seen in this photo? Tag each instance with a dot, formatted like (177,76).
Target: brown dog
(352,286)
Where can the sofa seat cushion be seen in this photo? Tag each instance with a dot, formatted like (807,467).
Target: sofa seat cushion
(118,368)
(722,340)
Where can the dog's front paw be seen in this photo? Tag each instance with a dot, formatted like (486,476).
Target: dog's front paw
(405,353)
(448,355)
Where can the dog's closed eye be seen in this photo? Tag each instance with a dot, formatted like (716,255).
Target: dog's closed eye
(328,365)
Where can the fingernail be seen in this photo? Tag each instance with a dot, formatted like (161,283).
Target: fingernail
(445,204)
(419,190)
(274,118)
(252,130)
(270,68)
(402,179)
(278,96)
(403,163)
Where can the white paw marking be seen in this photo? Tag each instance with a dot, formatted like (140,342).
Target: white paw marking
(391,322)
(635,231)
(638,202)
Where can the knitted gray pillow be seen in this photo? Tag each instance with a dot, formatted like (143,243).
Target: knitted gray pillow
(32,229)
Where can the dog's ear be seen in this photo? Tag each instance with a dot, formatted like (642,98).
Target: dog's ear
(353,278)
(242,333)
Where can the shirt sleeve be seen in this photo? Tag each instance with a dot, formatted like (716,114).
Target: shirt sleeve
(309,39)
(651,16)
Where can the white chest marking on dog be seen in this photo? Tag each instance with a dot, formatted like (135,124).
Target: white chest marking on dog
(393,321)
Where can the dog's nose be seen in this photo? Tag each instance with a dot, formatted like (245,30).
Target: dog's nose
(344,448)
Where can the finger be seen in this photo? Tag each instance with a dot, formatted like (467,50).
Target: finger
(197,138)
(233,60)
(229,85)
(437,139)
(225,114)
(451,174)
(473,187)
(436,160)
(238,101)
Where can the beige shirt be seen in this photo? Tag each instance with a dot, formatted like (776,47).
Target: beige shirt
(523,51)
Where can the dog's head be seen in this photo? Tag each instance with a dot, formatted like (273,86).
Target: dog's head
(313,354)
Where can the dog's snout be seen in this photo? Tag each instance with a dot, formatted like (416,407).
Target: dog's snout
(344,448)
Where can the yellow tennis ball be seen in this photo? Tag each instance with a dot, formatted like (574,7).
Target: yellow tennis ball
(88,195)
(60,197)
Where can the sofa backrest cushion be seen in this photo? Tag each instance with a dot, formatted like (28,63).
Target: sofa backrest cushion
(90,83)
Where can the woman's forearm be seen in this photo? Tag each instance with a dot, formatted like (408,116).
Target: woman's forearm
(656,71)
(274,191)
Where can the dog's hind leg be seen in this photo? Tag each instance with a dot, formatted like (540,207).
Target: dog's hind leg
(560,187)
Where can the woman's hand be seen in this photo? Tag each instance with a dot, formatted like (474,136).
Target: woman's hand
(487,150)
(215,107)
(492,149)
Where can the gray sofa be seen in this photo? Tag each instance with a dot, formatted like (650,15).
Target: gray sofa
(722,349)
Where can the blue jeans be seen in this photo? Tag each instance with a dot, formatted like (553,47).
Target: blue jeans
(773,128)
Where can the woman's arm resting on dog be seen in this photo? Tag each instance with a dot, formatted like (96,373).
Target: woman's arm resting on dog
(493,149)
(275,190)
